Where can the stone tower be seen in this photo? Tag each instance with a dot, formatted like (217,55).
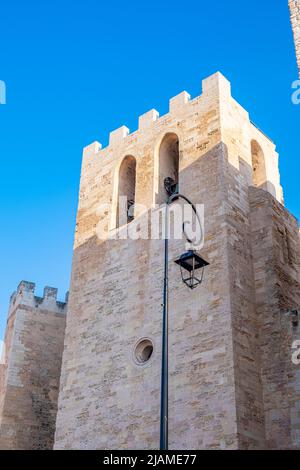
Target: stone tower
(232,382)
(295,18)
(29,374)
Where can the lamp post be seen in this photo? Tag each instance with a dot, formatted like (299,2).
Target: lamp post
(190,262)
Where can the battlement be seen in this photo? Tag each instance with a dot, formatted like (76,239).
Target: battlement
(216,89)
(200,124)
(214,86)
(25,295)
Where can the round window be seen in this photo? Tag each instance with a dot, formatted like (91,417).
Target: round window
(143,351)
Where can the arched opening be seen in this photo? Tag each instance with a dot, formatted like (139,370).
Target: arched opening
(126,192)
(168,164)
(258,165)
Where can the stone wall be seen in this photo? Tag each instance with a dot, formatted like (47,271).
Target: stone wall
(30,375)
(276,254)
(109,401)
(295,18)
(106,399)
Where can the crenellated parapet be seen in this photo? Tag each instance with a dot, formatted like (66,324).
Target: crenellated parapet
(25,295)
(213,87)
(202,121)
(200,124)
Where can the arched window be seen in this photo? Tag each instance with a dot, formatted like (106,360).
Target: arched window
(168,164)
(258,165)
(126,192)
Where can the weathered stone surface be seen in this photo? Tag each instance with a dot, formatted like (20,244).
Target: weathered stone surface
(220,381)
(276,262)
(295,19)
(29,377)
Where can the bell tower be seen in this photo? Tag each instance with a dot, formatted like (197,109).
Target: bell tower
(232,384)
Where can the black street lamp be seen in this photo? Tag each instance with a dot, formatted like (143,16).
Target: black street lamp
(190,262)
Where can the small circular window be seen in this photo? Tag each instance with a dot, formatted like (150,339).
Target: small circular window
(143,351)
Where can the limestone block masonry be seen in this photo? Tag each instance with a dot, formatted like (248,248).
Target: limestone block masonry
(232,382)
(29,375)
(295,19)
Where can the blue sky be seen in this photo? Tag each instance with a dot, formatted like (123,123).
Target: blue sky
(75,70)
